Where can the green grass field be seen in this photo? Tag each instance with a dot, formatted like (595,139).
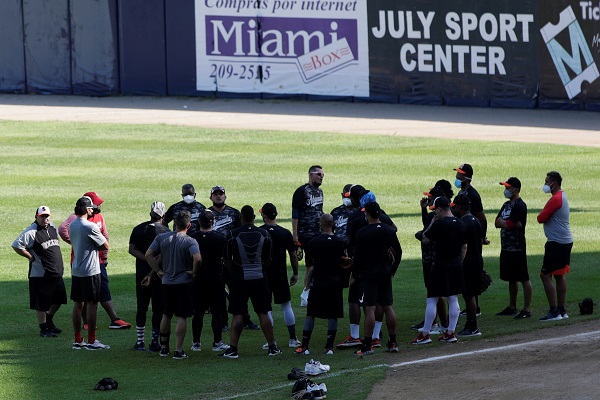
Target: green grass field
(130,166)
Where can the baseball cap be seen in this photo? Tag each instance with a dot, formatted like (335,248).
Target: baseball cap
(96,200)
(368,197)
(440,202)
(269,210)
(512,182)
(346,190)
(356,191)
(372,208)
(206,216)
(86,202)
(462,200)
(158,208)
(217,189)
(42,210)
(435,192)
(465,169)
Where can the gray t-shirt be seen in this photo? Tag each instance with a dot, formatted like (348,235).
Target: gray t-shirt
(177,250)
(85,239)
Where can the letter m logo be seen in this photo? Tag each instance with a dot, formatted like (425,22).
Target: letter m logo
(579,50)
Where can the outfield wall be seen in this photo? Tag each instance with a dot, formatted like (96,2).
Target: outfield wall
(524,54)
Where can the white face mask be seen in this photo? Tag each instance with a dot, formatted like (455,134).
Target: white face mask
(546,189)
(347,202)
(189,199)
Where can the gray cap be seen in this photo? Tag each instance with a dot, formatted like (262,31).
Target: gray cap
(158,208)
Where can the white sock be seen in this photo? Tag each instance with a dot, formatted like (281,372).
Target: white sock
(288,314)
(355,331)
(377,329)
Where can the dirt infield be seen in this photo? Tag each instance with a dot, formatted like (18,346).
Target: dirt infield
(556,363)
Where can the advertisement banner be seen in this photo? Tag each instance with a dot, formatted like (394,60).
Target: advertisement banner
(466,53)
(310,47)
(569,59)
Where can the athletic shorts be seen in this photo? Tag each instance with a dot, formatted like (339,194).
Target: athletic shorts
(85,288)
(209,295)
(325,302)
(426,272)
(280,288)
(45,291)
(557,258)
(145,294)
(445,281)
(304,241)
(374,292)
(513,266)
(177,300)
(104,290)
(472,278)
(256,290)
(353,294)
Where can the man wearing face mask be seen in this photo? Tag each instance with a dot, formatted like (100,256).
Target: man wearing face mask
(189,203)
(342,212)
(464,176)
(557,251)
(511,221)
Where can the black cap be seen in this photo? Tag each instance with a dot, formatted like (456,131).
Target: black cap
(465,169)
(440,202)
(217,188)
(86,202)
(512,182)
(346,190)
(269,210)
(357,191)
(435,192)
(372,209)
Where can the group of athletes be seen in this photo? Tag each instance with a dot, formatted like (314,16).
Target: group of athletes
(218,254)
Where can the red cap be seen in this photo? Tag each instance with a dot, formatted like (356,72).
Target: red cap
(96,200)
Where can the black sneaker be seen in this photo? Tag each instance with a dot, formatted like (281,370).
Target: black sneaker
(54,328)
(274,350)
(508,312)
(252,326)
(418,326)
(154,347)
(469,332)
(139,346)
(179,355)
(552,316)
(164,351)
(523,315)
(230,353)
(47,333)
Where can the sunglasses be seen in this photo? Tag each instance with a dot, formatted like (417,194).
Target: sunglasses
(321,174)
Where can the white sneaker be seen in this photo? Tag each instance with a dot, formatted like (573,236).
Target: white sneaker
(221,346)
(265,346)
(97,346)
(436,329)
(323,387)
(316,391)
(315,368)
(293,343)
(196,346)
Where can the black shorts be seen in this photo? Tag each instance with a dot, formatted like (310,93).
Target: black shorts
(45,291)
(472,278)
(426,272)
(353,294)
(374,292)
(104,290)
(178,300)
(325,302)
(513,266)
(145,294)
(445,281)
(280,288)
(308,255)
(256,290)
(557,258)
(209,295)
(85,288)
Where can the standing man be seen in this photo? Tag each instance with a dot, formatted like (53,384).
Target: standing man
(512,220)
(86,240)
(472,263)
(377,256)
(180,260)
(446,277)
(189,203)
(342,212)
(326,298)
(464,177)
(307,208)
(39,245)
(147,285)
(105,296)
(557,251)
(248,256)
(209,287)
(283,245)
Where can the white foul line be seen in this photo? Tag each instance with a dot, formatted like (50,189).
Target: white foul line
(428,360)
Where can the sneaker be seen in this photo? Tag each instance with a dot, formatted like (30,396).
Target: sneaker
(436,329)
(225,329)
(97,346)
(139,346)
(164,351)
(252,326)
(221,346)
(508,312)
(523,315)
(392,347)
(364,352)
(315,368)
(376,343)
(119,324)
(196,346)
(229,353)
(54,328)
(47,333)
(551,316)
(468,332)
(79,345)
(349,343)
(315,391)
(294,343)
(329,351)
(154,347)
(302,351)
(421,339)
(448,338)
(273,351)
(417,326)
(564,315)
(323,387)
(179,355)
(463,313)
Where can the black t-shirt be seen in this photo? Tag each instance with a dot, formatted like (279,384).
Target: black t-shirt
(513,239)
(142,237)
(357,221)
(226,220)
(449,234)
(249,250)
(474,198)
(212,249)
(371,252)
(340,216)
(282,242)
(308,201)
(194,208)
(327,251)
(474,232)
